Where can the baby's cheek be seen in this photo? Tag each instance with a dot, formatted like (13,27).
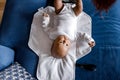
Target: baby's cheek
(59,51)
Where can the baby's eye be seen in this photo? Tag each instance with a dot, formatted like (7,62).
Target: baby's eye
(60,42)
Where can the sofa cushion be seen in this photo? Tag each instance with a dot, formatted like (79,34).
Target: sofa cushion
(6,57)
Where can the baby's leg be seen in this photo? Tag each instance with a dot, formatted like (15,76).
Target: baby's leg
(78,8)
(58,6)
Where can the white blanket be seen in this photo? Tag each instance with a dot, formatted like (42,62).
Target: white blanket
(50,68)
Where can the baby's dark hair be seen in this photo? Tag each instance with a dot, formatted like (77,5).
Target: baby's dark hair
(103,5)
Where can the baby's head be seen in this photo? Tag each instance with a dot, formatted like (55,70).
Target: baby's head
(60,46)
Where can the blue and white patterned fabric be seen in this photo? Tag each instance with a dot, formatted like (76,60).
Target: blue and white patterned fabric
(15,72)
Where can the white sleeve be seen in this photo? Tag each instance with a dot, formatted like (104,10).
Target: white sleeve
(82,47)
(84,36)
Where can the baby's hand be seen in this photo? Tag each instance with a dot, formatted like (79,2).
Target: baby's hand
(91,43)
(45,15)
(46,20)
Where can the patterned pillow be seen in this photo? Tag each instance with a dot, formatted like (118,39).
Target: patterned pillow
(15,72)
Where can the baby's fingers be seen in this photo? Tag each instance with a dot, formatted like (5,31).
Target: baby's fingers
(91,44)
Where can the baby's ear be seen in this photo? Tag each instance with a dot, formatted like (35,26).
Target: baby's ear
(52,47)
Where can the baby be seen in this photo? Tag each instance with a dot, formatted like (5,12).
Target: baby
(59,49)
(64,31)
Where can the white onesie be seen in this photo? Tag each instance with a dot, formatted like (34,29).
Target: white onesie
(65,23)
(50,68)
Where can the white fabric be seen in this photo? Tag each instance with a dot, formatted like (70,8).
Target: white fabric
(64,24)
(50,68)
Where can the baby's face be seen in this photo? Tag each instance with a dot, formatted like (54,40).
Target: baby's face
(60,46)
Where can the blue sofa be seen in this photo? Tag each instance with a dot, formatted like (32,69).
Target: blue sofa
(106,54)
(15,29)
(14,34)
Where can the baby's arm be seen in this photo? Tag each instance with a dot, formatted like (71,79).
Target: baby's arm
(78,8)
(58,5)
(87,38)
